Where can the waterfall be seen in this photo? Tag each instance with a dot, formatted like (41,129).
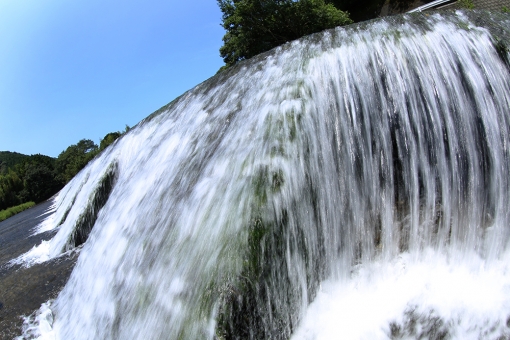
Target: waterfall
(335,187)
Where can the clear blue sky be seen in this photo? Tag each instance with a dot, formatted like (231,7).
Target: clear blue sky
(72,69)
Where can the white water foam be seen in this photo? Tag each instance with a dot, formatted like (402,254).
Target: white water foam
(49,221)
(38,254)
(462,296)
(39,324)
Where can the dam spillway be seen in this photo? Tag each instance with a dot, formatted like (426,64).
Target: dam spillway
(327,169)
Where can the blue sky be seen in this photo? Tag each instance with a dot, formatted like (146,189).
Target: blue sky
(80,69)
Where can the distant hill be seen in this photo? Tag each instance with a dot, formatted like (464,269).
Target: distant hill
(9,159)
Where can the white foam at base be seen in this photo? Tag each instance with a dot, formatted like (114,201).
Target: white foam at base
(39,324)
(466,295)
(38,254)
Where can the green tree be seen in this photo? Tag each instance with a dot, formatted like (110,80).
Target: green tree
(10,159)
(40,182)
(29,178)
(10,185)
(74,158)
(108,139)
(39,178)
(256,26)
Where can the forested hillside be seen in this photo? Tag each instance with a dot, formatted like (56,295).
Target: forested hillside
(36,178)
(9,159)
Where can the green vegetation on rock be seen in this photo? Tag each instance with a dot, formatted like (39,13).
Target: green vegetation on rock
(97,200)
(468,4)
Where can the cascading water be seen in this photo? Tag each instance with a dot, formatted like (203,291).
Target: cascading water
(335,187)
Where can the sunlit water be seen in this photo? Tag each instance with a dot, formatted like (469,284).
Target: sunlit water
(350,185)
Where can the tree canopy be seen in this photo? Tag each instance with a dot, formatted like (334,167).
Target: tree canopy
(28,178)
(256,26)
(10,159)
(74,158)
(36,178)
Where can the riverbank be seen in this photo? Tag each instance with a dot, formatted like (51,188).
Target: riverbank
(5,214)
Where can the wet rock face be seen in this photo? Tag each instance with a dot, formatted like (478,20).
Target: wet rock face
(23,290)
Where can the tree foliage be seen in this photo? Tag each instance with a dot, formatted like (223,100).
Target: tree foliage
(360,10)
(77,156)
(32,178)
(109,139)
(10,185)
(36,178)
(256,26)
(74,158)
(10,159)
(39,183)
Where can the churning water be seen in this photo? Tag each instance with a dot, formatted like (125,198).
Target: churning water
(354,184)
